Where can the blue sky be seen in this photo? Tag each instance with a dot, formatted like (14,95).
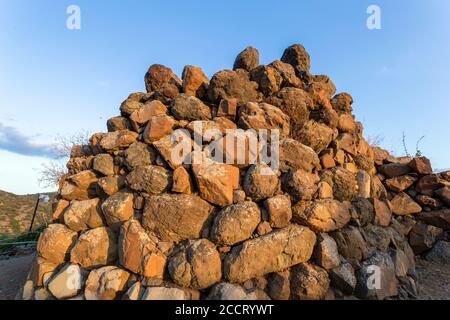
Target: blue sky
(55,81)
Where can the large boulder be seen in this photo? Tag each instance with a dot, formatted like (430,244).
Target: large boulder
(295,155)
(68,282)
(118,208)
(297,57)
(248,59)
(150,179)
(161,78)
(229,84)
(263,116)
(235,223)
(422,237)
(195,264)
(186,107)
(301,185)
(276,251)
(139,154)
(437,218)
(195,82)
(95,248)
(342,181)
(216,182)
(83,215)
(268,79)
(351,244)
(309,282)
(327,215)
(278,210)
(117,140)
(106,283)
(316,135)
(138,252)
(55,243)
(402,204)
(326,252)
(295,103)
(81,186)
(176,217)
(260,182)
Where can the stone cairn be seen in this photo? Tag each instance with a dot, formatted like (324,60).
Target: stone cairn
(339,219)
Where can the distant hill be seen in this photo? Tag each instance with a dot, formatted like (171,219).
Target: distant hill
(16,212)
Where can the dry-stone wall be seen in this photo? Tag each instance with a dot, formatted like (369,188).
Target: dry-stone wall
(338,218)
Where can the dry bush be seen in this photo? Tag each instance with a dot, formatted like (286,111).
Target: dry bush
(51,172)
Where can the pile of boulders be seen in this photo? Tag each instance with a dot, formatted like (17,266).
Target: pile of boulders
(337,218)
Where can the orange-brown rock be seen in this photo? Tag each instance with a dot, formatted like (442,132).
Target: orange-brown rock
(402,204)
(95,248)
(161,78)
(117,139)
(80,186)
(279,211)
(195,82)
(195,264)
(216,182)
(138,252)
(260,182)
(58,210)
(170,146)
(327,215)
(166,216)
(106,283)
(248,59)
(263,116)
(227,108)
(346,123)
(235,223)
(148,111)
(117,209)
(182,182)
(150,179)
(295,155)
(110,185)
(421,165)
(55,243)
(158,127)
(383,212)
(395,169)
(83,215)
(40,270)
(399,184)
(276,251)
(309,282)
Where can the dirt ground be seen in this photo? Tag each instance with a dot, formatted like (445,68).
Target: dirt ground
(434,278)
(13,273)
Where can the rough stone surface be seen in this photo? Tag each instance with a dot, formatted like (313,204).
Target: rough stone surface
(83,215)
(196,265)
(138,252)
(95,248)
(327,215)
(309,282)
(106,283)
(117,209)
(277,250)
(235,223)
(166,215)
(55,243)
